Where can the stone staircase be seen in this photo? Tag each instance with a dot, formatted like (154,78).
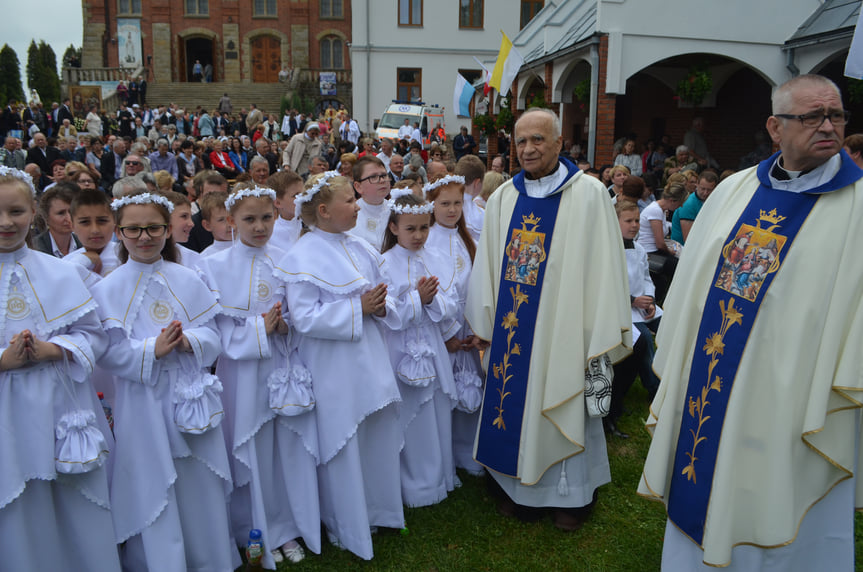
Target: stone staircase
(267,96)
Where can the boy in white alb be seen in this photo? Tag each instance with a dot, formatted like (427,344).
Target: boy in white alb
(372,183)
(286,231)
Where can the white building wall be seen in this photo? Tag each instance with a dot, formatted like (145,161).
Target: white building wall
(642,32)
(439,47)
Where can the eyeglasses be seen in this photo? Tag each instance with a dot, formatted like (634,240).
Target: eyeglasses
(153,231)
(375,179)
(816,118)
(133,163)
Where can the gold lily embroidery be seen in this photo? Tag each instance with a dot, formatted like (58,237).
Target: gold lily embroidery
(500,370)
(714,346)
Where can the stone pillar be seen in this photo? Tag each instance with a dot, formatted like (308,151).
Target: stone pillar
(605,110)
(300,43)
(162,52)
(231,56)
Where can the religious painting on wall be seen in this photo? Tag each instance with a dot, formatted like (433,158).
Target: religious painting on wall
(129,42)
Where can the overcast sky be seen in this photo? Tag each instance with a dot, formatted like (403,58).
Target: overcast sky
(58,22)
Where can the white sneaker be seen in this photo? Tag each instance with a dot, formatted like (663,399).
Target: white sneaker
(293,552)
(277,555)
(334,540)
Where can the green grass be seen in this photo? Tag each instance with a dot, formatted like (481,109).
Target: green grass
(465,532)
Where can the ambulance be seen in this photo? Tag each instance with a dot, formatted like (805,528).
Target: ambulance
(428,116)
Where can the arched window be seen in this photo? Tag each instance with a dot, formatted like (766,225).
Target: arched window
(332,53)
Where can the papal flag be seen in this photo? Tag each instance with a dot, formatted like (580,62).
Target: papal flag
(509,61)
(854,63)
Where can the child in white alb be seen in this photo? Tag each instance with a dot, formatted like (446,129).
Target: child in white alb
(170,471)
(450,236)
(286,231)
(423,283)
(54,501)
(269,419)
(335,285)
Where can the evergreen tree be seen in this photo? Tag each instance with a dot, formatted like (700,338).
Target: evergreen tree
(42,71)
(49,69)
(10,76)
(72,57)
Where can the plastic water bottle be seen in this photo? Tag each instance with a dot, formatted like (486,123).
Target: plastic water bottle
(254,549)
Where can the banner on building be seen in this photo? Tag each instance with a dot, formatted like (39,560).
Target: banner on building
(129,42)
(328,83)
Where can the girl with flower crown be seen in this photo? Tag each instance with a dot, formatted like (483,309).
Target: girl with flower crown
(170,470)
(337,294)
(450,236)
(423,284)
(269,406)
(54,439)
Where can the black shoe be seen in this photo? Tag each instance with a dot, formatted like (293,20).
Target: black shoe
(611,427)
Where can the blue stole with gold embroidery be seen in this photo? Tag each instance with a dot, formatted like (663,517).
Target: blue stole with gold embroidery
(521,275)
(748,263)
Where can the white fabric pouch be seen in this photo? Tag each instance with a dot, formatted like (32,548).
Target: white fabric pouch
(197,403)
(79,446)
(291,390)
(416,368)
(597,386)
(468,385)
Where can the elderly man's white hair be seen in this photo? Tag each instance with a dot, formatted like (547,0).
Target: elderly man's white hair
(782,96)
(127,186)
(555,120)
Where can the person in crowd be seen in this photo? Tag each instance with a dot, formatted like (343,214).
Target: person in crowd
(214,218)
(270,432)
(170,468)
(738,367)
(449,236)
(205,182)
(288,226)
(221,161)
(58,490)
(558,460)
(371,182)
(463,143)
(645,320)
(340,340)
(57,239)
(301,149)
(238,157)
(618,176)
(472,169)
(396,169)
(681,161)
(629,158)
(681,222)
(853,145)
(163,160)
(426,313)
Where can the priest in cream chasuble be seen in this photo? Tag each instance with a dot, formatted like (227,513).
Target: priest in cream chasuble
(549,290)
(756,422)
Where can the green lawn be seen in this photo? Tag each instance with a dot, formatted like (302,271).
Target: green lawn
(465,532)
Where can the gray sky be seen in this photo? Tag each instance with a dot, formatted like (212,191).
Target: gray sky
(58,22)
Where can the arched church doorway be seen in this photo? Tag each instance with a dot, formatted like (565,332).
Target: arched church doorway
(200,49)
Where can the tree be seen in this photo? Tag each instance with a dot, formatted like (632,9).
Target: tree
(72,57)
(10,76)
(42,71)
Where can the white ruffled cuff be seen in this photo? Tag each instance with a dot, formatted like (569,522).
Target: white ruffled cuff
(82,363)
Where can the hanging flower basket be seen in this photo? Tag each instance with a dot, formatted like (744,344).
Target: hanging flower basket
(695,86)
(582,94)
(485,123)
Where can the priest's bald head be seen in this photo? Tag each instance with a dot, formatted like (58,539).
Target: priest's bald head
(538,141)
(808,121)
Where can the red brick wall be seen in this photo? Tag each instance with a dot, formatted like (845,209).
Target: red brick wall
(605,111)
(220,11)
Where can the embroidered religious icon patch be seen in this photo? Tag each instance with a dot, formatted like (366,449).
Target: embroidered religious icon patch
(751,256)
(525,252)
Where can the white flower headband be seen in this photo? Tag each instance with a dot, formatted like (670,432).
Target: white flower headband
(20,175)
(425,208)
(309,193)
(143,199)
(259,192)
(443,181)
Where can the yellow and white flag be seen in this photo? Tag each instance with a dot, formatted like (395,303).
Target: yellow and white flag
(854,62)
(509,61)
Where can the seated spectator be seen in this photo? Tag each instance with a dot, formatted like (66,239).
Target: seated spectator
(221,161)
(164,181)
(629,158)
(683,218)
(618,174)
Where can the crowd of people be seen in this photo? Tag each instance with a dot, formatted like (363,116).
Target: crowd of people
(250,330)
